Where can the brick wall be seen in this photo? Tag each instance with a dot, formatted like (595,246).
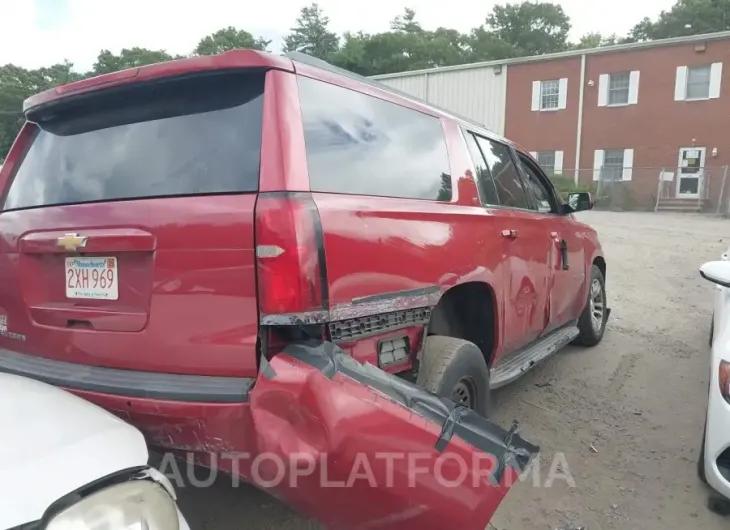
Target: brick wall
(655,128)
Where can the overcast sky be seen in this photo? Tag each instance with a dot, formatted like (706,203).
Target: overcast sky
(42,32)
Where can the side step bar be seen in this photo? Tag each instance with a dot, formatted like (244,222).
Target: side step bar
(518,363)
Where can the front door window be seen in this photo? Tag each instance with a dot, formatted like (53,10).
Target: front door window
(690,171)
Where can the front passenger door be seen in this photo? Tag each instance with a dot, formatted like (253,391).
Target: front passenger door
(568,261)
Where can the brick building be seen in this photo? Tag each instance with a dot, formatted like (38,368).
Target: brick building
(638,122)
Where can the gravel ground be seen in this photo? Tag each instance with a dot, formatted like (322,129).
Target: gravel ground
(626,415)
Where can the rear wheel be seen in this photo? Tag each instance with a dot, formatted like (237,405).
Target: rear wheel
(592,322)
(456,369)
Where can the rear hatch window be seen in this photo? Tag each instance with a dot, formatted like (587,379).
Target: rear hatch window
(193,136)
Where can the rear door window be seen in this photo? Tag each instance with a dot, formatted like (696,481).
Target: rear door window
(200,135)
(510,187)
(358,144)
(487,189)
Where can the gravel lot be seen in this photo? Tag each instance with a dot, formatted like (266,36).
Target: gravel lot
(627,415)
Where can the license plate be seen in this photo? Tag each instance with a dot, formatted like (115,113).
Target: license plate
(92,278)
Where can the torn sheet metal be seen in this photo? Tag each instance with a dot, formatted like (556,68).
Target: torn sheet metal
(358,448)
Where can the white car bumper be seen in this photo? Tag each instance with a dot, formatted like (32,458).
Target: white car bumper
(717,440)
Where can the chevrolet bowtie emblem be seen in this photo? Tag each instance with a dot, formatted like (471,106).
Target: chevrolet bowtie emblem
(72,242)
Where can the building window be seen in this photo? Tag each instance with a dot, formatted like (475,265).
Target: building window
(613,165)
(618,88)
(550,94)
(698,82)
(546,159)
(551,162)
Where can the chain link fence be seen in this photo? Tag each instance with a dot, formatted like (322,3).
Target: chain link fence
(651,188)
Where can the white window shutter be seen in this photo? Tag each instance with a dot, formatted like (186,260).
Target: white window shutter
(715,79)
(533,154)
(628,164)
(536,95)
(563,94)
(680,84)
(558,162)
(603,82)
(597,163)
(634,87)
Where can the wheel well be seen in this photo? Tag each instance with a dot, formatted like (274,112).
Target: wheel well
(467,311)
(601,264)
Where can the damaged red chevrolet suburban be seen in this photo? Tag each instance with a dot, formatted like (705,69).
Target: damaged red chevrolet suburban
(257,254)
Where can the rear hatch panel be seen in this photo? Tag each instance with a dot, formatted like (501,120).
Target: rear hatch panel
(156,185)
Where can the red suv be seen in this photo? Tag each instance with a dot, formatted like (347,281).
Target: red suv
(250,252)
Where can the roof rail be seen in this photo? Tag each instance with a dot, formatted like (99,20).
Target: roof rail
(309,60)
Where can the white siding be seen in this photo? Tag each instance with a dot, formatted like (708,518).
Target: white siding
(414,84)
(478,93)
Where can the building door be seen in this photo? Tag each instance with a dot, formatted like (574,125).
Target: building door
(691,168)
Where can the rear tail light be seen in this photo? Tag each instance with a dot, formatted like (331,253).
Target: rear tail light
(724,378)
(290,260)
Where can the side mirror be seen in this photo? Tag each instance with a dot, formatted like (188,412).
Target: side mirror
(580,201)
(716,272)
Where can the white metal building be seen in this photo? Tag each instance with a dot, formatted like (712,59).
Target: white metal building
(475,91)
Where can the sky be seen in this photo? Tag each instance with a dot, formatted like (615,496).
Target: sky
(37,33)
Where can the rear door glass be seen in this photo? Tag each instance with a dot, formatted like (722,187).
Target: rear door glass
(200,135)
(487,189)
(506,177)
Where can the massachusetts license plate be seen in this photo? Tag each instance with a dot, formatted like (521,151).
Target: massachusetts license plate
(92,278)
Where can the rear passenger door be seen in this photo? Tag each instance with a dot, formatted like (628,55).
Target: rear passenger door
(524,242)
(568,263)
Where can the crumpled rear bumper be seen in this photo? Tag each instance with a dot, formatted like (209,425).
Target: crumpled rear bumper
(358,448)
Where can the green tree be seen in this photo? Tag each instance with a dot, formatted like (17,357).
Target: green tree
(596,40)
(311,34)
(484,45)
(407,46)
(532,28)
(686,17)
(107,62)
(17,84)
(228,39)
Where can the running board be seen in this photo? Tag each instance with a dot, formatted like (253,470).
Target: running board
(515,365)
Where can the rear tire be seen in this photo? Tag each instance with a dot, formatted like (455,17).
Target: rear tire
(592,321)
(455,369)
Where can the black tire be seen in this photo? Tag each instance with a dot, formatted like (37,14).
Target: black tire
(590,335)
(701,459)
(450,366)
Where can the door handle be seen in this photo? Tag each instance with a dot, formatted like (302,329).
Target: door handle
(509,234)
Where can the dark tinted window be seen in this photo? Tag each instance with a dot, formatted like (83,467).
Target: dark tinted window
(196,136)
(484,179)
(358,144)
(542,198)
(504,172)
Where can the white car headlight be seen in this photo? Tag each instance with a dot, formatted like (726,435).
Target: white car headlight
(134,505)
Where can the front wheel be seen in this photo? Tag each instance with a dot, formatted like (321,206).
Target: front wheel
(592,322)
(456,369)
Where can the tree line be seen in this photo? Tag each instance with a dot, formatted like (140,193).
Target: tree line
(509,30)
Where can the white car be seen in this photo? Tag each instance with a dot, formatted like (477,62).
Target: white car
(714,461)
(68,464)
